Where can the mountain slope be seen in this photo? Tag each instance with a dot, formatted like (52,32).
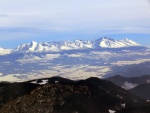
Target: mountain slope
(142,91)
(139,109)
(10,91)
(58,95)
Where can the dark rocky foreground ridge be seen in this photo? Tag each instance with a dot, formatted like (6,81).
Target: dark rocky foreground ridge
(61,95)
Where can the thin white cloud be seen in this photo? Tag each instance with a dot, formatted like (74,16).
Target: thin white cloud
(3,15)
(87,16)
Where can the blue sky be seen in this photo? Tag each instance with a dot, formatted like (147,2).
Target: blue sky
(22,21)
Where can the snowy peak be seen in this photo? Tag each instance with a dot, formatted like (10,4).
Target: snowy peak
(130,42)
(111,43)
(30,47)
(105,42)
(75,45)
(53,46)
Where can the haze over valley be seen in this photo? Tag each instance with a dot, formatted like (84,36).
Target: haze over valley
(79,59)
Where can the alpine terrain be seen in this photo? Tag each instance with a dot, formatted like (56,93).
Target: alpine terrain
(76,60)
(99,76)
(59,95)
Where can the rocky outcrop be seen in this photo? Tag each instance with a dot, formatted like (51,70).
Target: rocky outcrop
(60,95)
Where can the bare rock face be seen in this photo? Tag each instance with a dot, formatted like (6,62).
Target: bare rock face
(45,99)
(92,95)
(10,91)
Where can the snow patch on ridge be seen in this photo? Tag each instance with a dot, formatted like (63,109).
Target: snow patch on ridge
(111,111)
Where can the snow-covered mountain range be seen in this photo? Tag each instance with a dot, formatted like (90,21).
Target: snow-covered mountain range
(75,45)
(77,59)
(35,47)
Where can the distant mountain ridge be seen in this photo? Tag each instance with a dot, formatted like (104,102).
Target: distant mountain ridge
(142,91)
(129,82)
(112,43)
(34,47)
(75,45)
(76,60)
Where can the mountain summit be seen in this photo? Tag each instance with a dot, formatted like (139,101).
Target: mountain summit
(112,43)
(75,45)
